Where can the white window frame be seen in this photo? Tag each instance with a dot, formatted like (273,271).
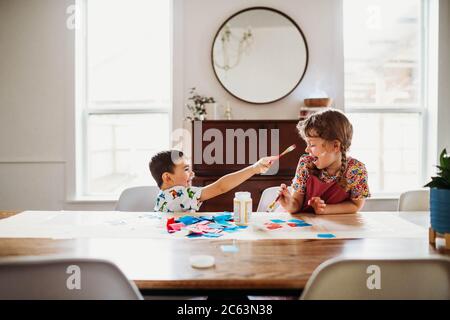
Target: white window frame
(78,175)
(428,110)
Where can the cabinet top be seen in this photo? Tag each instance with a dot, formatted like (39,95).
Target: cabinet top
(251,121)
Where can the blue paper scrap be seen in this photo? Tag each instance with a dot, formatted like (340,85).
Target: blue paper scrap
(277,221)
(303,224)
(215,225)
(223,217)
(194,235)
(224,223)
(187,220)
(229,248)
(326,235)
(212,235)
(231,229)
(209,218)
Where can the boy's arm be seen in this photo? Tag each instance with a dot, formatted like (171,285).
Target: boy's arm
(232,180)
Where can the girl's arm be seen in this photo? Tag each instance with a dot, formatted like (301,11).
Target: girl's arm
(348,206)
(292,203)
(232,180)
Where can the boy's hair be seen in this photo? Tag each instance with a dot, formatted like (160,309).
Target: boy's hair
(163,161)
(329,125)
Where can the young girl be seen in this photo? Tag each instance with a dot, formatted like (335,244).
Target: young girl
(326,180)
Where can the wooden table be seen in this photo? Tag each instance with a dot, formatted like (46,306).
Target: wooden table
(260,265)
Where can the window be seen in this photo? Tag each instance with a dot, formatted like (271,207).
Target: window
(384,66)
(124,71)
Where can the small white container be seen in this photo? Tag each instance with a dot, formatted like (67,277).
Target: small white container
(212,111)
(242,208)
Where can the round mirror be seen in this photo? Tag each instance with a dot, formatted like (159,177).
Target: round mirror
(259,55)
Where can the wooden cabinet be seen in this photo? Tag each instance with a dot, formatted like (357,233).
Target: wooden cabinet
(242,140)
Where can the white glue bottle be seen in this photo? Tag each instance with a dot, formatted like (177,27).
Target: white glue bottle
(242,208)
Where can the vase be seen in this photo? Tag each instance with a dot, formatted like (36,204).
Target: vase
(440,210)
(212,111)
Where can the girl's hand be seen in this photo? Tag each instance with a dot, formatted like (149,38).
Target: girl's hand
(263,165)
(284,196)
(317,204)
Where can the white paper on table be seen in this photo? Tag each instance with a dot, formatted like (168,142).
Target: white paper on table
(107,224)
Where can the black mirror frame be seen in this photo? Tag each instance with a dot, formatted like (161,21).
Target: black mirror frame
(282,14)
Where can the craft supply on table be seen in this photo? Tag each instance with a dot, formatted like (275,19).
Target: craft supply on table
(242,208)
(326,236)
(100,225)
(202,261)
(229,248)
(204,226)
(216,226)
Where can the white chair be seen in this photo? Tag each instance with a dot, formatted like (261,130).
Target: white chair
(32,278)
(415,200)
(267,197)
(138,199)
(350,279)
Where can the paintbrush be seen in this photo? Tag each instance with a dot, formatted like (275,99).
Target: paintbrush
(288,149)
(271,206)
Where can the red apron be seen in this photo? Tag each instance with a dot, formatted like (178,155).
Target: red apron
(331,193)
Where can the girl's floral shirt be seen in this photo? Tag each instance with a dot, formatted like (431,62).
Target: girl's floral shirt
(355,173)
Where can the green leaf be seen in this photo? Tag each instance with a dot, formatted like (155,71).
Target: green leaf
(444,159)
(444,173)
(438,182)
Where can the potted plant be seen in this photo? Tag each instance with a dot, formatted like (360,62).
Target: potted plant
(440,199)
(196,105)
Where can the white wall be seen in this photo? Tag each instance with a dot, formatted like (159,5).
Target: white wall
(33,65)
(322,35)
(36,86)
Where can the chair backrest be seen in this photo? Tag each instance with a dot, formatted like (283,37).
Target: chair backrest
(426,278)
(414,200)
(138,199)
(267,197)
(32,278)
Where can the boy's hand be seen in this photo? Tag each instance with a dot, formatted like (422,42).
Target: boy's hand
(317,204)
(263,165)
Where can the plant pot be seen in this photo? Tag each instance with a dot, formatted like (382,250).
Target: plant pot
(318,102)
(440,210)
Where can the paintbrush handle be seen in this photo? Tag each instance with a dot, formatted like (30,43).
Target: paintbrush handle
(272,204)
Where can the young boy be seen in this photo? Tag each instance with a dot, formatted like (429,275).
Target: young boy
(173,174)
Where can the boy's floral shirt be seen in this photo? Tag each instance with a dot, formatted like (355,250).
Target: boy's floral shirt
(179,199)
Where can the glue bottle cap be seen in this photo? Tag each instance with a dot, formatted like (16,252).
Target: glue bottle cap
(244,195)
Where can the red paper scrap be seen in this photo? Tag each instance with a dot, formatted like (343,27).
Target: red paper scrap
(177,226)
(170,221)
(272,226)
